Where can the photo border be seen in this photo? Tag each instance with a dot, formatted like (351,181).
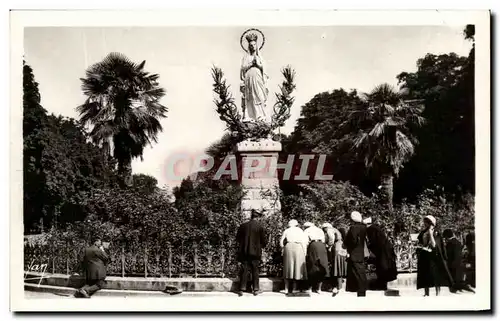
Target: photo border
(257,18)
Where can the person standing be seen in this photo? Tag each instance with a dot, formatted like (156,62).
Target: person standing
(317,257)
(294,244)
(94,264)
(431,265)
(337,256)
(470,260)
(251,238)
(382,249)
(355,244)
(454,260)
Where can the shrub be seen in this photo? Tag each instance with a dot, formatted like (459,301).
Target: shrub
(196,234)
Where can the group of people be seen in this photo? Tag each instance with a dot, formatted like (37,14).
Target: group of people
(441,260)
(313,254)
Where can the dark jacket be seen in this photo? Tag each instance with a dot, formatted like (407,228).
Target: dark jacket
(94,263)
(355,242)
(432,269)
(385,258)
(470,260)
(454,258)
(251,238)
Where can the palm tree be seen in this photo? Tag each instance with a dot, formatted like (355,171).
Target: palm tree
(383,137)
(123,108)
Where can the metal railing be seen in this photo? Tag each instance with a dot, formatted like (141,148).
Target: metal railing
(175,260)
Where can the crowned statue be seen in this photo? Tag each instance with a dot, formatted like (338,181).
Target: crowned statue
(253,78)
(252,127)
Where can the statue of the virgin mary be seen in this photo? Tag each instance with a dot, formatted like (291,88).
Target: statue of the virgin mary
(253,81)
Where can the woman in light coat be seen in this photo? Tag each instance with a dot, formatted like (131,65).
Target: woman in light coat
(294,244)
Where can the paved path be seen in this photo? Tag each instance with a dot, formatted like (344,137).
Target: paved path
(407,292)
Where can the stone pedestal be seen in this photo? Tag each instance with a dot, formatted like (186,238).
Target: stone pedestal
(258,176)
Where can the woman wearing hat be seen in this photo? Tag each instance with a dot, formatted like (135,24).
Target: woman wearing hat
(431,265)
(294,245)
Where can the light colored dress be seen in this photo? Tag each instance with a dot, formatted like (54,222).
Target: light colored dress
(294,243)
(339,264)
(255,90)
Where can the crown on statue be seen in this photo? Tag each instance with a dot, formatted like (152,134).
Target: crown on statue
(251,37)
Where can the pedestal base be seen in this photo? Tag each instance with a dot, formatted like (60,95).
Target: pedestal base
(259,177)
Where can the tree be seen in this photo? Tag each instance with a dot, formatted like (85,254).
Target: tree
(61,166)
(34,123)
(223,147)
(123,107)
(381,133)
(145,184)
(446,154)
(70,168)
(469,32)
(317,131)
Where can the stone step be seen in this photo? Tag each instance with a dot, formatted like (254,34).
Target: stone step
(66,292)
(69,292)
(184,284)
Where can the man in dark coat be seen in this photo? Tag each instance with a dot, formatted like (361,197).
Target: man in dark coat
(454,260)
(251,238)
(470,260)
(382,249)
(355,244)
(94,264)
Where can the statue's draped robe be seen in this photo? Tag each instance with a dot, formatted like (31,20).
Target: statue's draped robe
(255,91)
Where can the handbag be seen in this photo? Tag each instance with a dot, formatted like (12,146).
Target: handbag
(342,252)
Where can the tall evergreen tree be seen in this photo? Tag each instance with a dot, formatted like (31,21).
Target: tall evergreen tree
(34,122)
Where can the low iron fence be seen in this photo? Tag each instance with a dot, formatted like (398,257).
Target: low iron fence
(175,259)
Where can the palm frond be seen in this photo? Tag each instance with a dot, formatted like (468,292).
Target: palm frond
(361,140)
(384,94)
(102,131)
(404,145)
(378,130)
(141,65)
(404,150)
(88,111)
(410,112)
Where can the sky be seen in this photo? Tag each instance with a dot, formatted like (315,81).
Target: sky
(324,58)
